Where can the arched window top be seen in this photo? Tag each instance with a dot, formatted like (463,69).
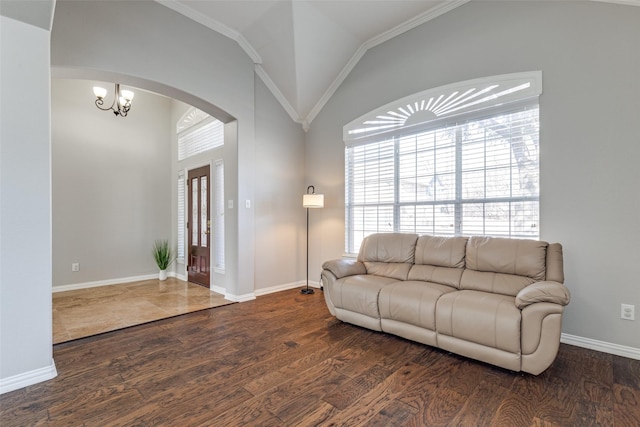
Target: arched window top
(434,106)
(192,117)
(198,132)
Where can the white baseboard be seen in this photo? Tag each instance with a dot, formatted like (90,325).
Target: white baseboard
(602,346)
(107,282)
(217,289)
(28,378)
(285,287)
(240,298)
(269,290)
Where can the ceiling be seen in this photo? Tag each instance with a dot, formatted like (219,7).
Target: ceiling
(304,49)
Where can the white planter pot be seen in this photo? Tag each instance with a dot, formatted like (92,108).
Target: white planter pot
(163,275)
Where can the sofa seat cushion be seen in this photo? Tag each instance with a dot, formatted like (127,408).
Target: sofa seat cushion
(492,320)
(359,293)
(412,302)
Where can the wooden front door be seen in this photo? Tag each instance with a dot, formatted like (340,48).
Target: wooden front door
(199,226)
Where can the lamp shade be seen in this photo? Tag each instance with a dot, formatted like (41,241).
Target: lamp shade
(127,95)
(99,92)
(313,200)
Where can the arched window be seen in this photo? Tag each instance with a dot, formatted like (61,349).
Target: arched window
(460,159)
(198,132)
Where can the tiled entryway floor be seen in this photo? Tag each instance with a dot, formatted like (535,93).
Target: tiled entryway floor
(85,312)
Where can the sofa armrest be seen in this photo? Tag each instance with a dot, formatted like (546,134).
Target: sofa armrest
(344,267)
(548,291)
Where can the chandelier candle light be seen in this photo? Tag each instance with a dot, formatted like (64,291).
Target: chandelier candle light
(121,103)
(311,200)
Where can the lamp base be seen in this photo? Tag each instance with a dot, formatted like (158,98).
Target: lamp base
(306,291)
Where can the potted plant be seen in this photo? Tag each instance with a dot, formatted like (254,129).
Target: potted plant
(163,255)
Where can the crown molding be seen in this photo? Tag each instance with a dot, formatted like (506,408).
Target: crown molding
(214,25)
(414,22)
(623,2)
(375,41)
(418,20)
(331,90)
(277,93)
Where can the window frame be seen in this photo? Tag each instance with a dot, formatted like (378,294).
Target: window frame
(376,128)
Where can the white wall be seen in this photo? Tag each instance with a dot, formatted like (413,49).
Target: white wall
(280,217)
(590,145)
(25,210)
(111,181)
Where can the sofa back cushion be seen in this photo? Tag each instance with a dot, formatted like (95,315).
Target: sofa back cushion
(441,251)
(388,254)
(503,266)
(439,260)
(388,247)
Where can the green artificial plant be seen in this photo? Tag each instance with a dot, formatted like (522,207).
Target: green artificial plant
(163,254)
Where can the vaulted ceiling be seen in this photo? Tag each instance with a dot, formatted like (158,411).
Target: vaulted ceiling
(304,49)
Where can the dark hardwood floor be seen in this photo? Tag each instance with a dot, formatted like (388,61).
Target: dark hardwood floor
(282,360)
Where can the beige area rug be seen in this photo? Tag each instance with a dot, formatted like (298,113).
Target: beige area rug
(85,312)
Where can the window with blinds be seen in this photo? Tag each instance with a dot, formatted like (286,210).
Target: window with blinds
(181,215)
(197,133)
(219,216)
(474,174)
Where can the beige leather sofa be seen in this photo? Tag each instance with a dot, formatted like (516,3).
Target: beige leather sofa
(496,300)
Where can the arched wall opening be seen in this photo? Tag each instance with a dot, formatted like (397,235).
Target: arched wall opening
(229,152)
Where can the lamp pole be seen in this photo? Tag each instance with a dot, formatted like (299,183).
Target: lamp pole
(310,200)
(307,290)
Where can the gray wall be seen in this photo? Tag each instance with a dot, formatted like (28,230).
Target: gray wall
(590,145)
(147,45)
(111,183)
(25,210)
(280,217)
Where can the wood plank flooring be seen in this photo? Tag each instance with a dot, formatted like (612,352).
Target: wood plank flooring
(283,360)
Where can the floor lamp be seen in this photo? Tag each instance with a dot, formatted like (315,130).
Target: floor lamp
(311,200)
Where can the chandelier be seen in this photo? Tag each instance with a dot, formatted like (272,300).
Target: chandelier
(121,103)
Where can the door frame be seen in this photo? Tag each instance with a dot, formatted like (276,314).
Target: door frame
(186,169)
(202,245)
(219,285)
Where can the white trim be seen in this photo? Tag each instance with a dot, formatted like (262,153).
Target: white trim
(375,41)
(265,291)
(240,298)
(215,25)
(257,59)
(107,282)
(28,378)
(217,289)
(275,91)
(285,287)
(333,87)
(602,346)
(472,95)
(623,2)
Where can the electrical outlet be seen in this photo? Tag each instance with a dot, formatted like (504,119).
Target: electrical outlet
(75,266)
(627,312)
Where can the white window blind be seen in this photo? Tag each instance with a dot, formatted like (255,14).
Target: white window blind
(181,215)
(474,174)
(219,216)
(197,133)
